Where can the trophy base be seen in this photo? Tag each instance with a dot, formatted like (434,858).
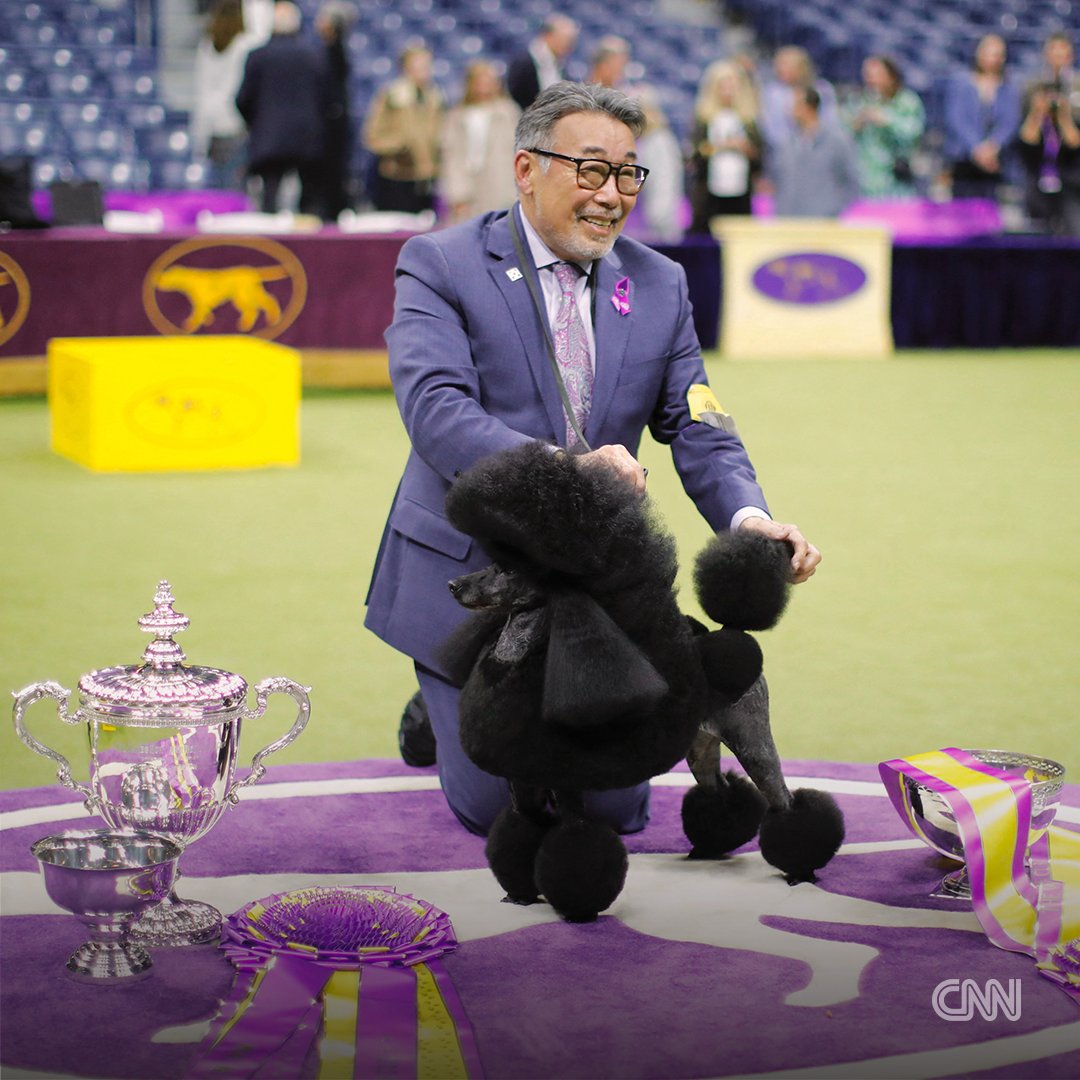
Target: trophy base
(108,962)
(954,886)
(176,922)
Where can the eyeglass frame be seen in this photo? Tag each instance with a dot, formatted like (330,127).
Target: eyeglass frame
(615,167)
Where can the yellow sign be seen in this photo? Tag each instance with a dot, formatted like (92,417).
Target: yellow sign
(14,297)
(804,289)
(186,290)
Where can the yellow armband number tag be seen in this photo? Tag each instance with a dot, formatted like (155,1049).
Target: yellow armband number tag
(705,409)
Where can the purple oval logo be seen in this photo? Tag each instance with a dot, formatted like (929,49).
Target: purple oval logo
(809,277)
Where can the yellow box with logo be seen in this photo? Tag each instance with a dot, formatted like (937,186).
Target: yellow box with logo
(172,404)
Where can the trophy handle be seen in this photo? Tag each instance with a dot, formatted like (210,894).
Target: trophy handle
(23,700)
(277,685)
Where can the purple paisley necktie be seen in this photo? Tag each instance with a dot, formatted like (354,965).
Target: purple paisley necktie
(572,348)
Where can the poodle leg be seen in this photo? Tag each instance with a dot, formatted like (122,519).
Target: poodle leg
(801,832)
(744,728)
(581,865)
(720,816)
(514,840)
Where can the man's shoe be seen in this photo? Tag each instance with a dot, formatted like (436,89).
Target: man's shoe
(415,736)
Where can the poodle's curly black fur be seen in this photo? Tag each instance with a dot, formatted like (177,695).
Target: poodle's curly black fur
(579,672)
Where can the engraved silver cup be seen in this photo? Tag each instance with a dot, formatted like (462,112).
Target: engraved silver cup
(106,879)
(936,826)
(163,739)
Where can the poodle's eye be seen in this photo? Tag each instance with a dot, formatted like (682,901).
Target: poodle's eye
(499,568)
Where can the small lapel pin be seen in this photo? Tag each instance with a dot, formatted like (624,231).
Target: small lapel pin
(514,274)
(620,298)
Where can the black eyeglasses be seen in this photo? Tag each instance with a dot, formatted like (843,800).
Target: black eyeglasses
(592,173)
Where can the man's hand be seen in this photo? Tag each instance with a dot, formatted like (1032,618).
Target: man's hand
(618,459)
(804,561)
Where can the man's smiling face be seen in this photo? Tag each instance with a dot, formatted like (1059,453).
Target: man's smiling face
(577,224)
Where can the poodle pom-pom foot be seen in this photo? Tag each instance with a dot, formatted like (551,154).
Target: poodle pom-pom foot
(511,850)
(581,868)
(804,837)
(717,820)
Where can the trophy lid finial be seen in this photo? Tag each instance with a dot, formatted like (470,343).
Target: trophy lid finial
(163,653)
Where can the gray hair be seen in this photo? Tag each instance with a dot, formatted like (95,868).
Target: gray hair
(537,123)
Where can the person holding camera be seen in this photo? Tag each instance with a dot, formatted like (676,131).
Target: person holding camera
(1049,142)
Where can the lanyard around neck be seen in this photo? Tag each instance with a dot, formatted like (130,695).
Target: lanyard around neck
(541,311)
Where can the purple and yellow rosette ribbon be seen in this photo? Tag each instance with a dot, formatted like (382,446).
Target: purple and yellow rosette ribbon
(1027,899)
(356,972)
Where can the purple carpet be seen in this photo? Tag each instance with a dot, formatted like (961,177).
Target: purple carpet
(698,970)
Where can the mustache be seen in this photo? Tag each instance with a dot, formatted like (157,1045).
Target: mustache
(614,217)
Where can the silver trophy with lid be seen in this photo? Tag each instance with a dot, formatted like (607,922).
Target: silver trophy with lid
(164,738)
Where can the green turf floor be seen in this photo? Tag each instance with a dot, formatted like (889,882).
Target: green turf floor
(941,488)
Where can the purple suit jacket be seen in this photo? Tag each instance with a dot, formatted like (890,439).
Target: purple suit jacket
(472,376)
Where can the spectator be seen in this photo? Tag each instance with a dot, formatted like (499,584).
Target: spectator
(402,130)
(541,65)
(887,121)
(282,99)
(816,174)
(982,116)
(727,145)
(793,71)
(332,24)
(609,60)
(218,133)
(1058,60)
(662,198)
(477,144)
(1049,146)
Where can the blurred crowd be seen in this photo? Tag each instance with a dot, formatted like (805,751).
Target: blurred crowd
(273,106)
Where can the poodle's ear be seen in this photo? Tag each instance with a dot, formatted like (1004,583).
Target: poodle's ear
(593,673)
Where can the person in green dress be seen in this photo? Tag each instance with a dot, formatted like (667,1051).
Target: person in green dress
(886,120)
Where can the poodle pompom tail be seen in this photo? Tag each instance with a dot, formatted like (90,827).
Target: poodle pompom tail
(805,836)
(511,850)
(742,579)
(581,868)
(717,820)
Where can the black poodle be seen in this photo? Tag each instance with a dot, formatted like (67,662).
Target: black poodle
(579,672)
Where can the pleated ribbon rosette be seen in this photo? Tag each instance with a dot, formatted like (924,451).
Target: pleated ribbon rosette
(1027,899)
(354,969)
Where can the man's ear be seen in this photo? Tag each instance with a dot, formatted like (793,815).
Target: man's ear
(524,171)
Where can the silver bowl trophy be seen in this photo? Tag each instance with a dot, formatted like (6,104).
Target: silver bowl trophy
(164,738)
(936,826)
(106,879)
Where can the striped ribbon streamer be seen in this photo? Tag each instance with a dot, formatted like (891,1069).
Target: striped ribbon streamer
(370,1023)
(371,1012)
(1026,899)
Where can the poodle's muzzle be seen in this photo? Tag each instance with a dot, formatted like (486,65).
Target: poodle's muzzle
(496,589)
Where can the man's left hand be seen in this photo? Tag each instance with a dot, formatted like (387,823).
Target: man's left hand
(804,561)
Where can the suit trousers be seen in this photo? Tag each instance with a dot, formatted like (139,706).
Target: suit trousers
(477,797)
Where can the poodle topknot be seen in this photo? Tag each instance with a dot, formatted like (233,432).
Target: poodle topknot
(538,509)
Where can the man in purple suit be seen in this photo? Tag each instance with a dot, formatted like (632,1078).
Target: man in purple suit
(474,372)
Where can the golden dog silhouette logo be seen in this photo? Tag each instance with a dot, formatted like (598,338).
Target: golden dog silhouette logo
(14,297)
(244,285)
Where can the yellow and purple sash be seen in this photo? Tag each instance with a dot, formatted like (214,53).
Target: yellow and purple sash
(386,1011)
(1027,899)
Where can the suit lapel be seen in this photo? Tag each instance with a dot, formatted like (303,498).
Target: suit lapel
(531,324)
(612,332)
